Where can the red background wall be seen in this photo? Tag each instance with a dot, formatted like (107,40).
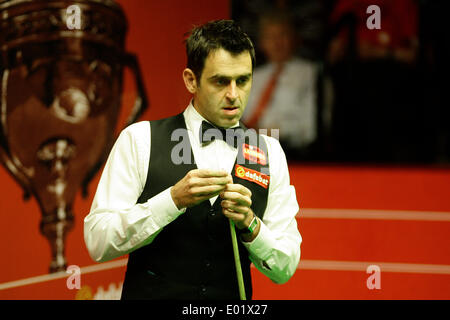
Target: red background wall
(156,30)
(156,36)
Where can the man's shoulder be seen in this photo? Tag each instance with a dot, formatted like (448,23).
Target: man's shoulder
(136,129)
(301,63)
(175,117)
(136,126)
(273,145)
(265,69)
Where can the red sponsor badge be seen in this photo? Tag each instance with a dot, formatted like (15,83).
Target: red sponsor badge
(252,176)
(254,154)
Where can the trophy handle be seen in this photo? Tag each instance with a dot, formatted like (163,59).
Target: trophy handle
(15,169)
(141,103)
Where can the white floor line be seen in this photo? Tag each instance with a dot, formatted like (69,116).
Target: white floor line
(305,264)
(331,265)
(374,214)
(63,274)
(384,266)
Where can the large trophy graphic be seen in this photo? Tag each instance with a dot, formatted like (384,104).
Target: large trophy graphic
(60,97)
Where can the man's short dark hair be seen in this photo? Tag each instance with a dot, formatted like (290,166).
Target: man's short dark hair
(214,35)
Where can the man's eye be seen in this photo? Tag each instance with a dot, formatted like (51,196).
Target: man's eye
(241,81)
(221,82)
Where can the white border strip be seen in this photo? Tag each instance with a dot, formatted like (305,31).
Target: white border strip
(373,214)
(63,274)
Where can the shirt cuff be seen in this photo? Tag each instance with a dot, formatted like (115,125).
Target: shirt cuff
(163,208)
(263,243)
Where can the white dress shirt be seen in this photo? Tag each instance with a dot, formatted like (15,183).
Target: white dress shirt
(292,107)
(117,225)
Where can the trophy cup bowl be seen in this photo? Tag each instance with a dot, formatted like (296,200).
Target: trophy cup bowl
(60,97)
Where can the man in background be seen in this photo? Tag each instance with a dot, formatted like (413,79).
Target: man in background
(284,89)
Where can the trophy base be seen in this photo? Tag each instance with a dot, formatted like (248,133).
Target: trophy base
(55,231)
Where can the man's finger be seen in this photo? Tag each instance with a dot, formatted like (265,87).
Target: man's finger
(233,215)
(209,190)
(236,197)
(217,180)
(236,187)
(198,182)
(206,173)
(235,207)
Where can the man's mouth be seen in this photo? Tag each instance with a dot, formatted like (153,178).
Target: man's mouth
(231,108)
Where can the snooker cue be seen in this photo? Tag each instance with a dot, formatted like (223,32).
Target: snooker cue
(237,261)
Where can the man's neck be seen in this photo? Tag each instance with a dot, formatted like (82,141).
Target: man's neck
(206,119)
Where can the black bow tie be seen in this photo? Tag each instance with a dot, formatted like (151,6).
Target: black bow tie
(209,132)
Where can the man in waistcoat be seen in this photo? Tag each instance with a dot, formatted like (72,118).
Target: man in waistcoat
(170,186)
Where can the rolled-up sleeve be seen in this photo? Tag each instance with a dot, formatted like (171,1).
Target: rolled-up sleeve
(116,224)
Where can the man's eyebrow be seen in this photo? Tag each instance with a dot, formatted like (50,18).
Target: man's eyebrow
(221,76)
(247,75)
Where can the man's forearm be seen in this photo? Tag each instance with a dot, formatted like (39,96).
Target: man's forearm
(275,255)
(111,233)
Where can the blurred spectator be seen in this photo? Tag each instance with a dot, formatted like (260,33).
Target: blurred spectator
(397,38)
(378,113)
(284,89)
(435,56)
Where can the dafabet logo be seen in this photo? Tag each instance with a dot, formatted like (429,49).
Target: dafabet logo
(252,175)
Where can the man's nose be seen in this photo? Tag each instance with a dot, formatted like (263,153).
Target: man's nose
(231,93)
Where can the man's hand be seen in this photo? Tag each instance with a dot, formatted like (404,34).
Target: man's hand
(236,203)
(199,185)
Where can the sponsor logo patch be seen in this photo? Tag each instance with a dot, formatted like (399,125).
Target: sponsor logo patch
(254,154)
(252,176)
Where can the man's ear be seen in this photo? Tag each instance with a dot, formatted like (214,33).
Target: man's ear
(190,81)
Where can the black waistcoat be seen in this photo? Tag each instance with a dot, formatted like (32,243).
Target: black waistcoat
(192,257)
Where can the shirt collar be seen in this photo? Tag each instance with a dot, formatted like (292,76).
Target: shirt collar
(194,119)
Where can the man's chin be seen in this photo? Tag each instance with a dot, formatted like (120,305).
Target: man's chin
(227,123)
